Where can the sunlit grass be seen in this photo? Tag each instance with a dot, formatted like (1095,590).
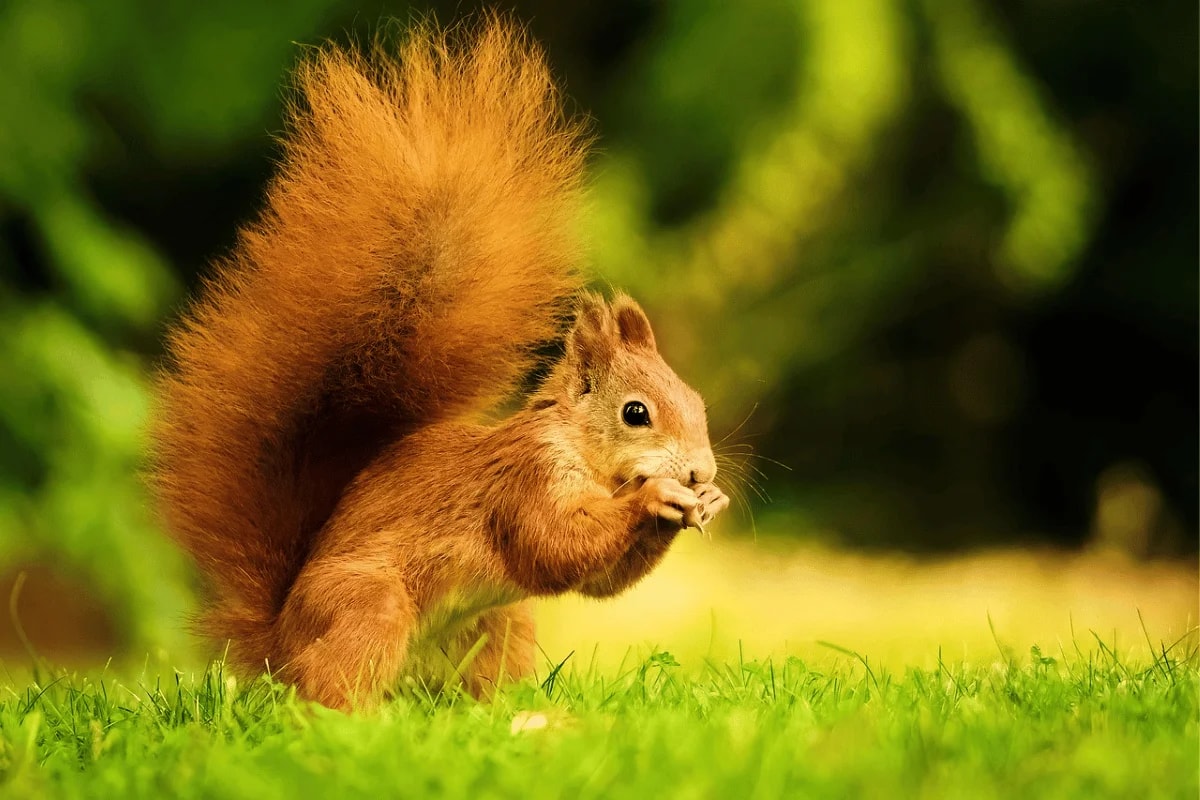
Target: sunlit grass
(789,672)
(1083,725)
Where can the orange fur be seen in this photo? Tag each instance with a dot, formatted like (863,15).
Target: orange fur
(313,448)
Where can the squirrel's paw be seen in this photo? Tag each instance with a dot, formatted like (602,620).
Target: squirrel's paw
(710,502)
(669,501)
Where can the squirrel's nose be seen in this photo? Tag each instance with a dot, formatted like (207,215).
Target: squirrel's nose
(702,467)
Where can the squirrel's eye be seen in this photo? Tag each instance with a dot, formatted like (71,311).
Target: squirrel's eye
(635,414)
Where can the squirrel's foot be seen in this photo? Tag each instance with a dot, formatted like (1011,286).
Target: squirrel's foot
(669,503)
(710,501)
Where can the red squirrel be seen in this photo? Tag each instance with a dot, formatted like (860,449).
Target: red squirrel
(318,447)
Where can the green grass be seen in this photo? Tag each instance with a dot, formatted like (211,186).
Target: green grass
(1083,724)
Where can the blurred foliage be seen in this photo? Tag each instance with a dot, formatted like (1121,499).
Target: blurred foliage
(937,257)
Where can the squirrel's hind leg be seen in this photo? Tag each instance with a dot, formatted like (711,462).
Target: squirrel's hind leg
(506,654)
(343,632)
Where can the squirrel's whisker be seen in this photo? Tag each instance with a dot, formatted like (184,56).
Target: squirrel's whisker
(740,425)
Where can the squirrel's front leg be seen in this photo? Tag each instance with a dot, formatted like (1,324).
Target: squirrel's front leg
(668,508)
(659,533)
(563,551)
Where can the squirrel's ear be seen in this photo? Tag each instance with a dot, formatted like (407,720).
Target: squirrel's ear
(632,323)
(592,341)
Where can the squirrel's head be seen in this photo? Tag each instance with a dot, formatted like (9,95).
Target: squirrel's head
(637,418)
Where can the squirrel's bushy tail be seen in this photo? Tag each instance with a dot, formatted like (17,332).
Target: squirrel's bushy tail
(415,248)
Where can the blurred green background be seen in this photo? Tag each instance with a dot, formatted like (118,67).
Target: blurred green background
(934,261)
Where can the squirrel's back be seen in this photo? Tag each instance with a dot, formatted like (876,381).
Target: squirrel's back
(415,249)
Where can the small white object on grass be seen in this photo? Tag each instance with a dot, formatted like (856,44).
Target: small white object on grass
(528,721)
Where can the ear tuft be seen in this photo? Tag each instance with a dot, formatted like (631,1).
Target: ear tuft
(592,340)
(632,323)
